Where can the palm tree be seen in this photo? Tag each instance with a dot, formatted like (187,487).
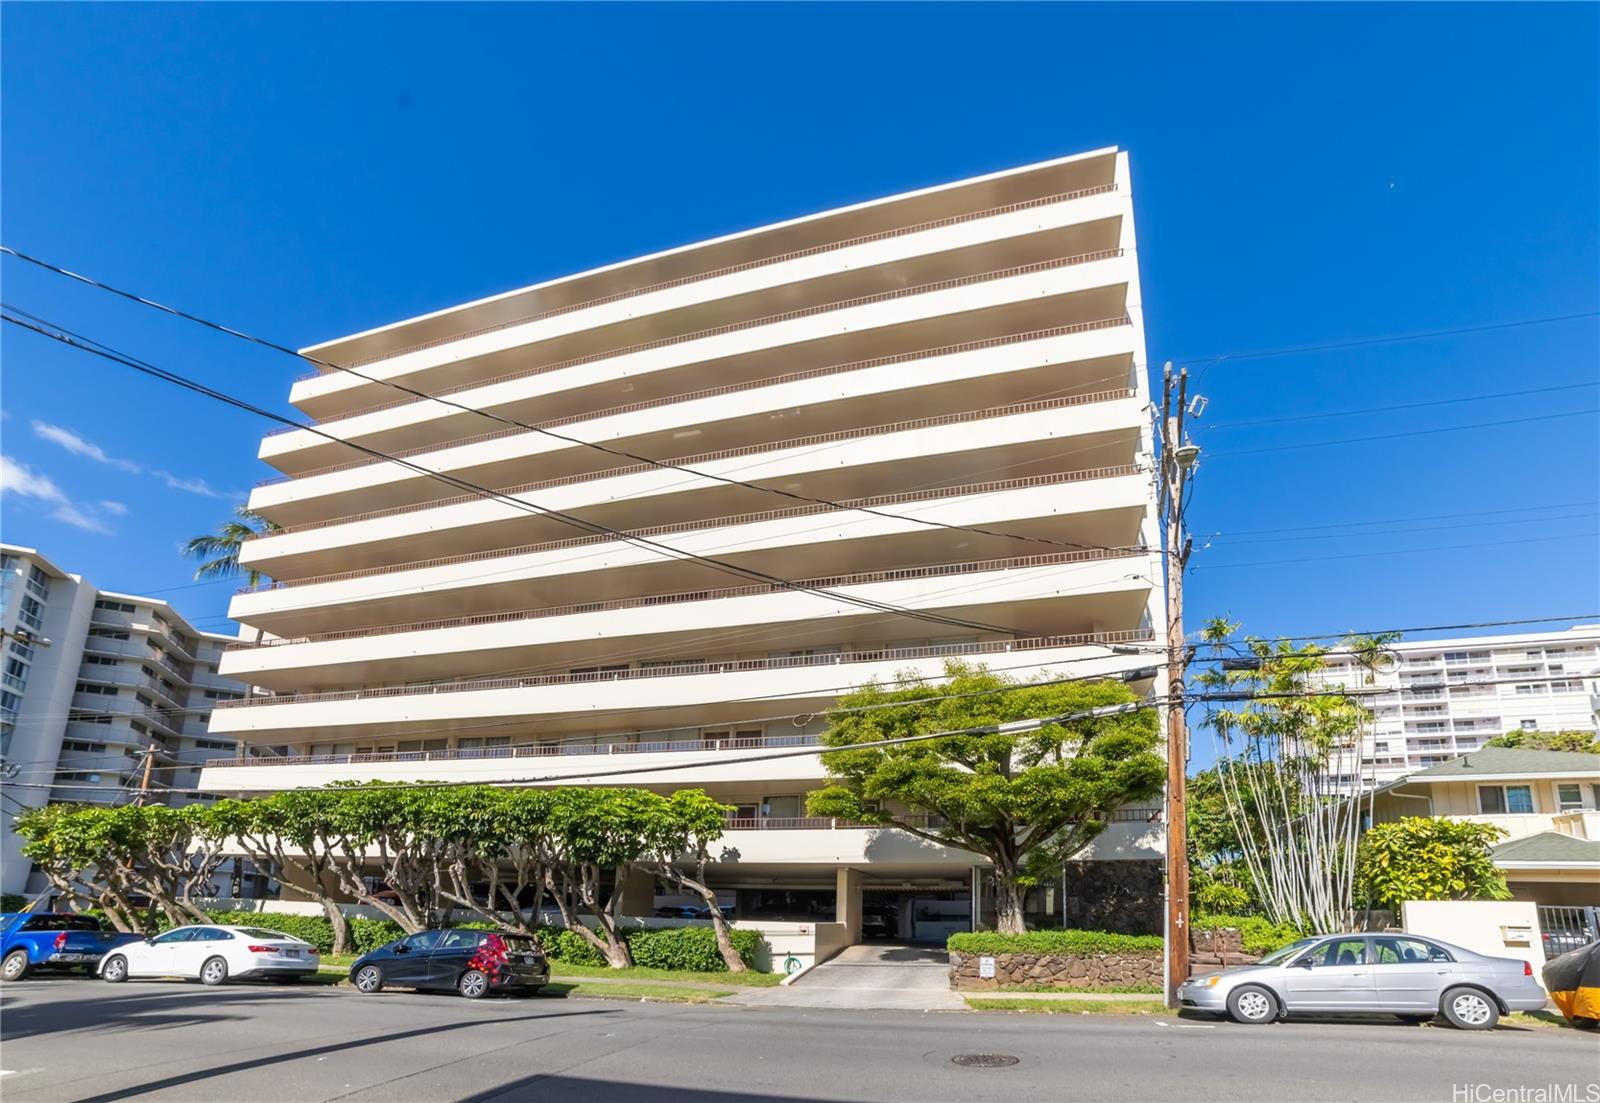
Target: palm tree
(220,550)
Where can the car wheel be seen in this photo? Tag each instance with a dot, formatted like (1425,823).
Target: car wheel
(16,965)
(116,970)
(214,971)
(1252,1005)
(1470,1009)
(474,984)
(368,980)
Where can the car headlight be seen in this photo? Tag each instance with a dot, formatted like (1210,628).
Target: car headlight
(1207,982)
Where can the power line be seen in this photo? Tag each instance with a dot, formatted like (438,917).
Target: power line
(1404,406)
(1402,520)
(1396,551)
(513,422)
(1432,628)
(1294,350)
(1409,433)
(72,340)
(1325,536)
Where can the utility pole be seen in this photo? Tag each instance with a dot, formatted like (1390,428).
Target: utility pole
(144,778)
(1177,469)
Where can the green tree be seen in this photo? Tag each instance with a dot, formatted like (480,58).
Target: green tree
(1584,741)
(683,827)
(1429,858)
(290,832)
(1290,775)
(219,551)
(1025,801)
(110,857)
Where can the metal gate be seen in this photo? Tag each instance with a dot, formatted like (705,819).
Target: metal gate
(1568,928)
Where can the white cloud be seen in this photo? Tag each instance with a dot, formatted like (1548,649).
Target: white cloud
(116,508)
(19,478)
(75,444)
(79,446)
(192,486)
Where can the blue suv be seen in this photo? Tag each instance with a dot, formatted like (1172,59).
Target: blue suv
(472,962)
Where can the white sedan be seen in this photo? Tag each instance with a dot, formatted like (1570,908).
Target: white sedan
(213,955)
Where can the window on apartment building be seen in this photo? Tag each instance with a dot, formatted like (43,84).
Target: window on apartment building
(1500,800)
(1530,725)
(90,687)
(480,741)
(31,613)
(1569,798)
(86,748)
(108,634)
(22,650)
(101,660)
(114,606)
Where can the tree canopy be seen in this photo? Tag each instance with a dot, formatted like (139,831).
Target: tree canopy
(1429,858)
(1026,801)
(1585,741)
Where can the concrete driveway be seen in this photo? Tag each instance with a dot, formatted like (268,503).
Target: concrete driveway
(875,975)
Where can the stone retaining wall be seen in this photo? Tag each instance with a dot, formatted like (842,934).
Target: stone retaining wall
(1214,948)
(1085,972)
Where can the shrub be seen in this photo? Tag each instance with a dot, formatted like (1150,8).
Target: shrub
(1260,935)
(367,935)
(12,902)
(1080,943)
(693,949)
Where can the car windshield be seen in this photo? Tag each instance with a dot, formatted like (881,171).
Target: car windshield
(262,932)
(1282,954)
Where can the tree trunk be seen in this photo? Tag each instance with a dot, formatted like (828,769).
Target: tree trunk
(1008,896)
(340,924)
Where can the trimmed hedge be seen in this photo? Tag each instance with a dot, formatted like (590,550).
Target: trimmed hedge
(1053,942)
(692,949)
(1260,935)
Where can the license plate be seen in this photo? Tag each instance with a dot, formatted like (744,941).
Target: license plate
(290,953)
(75,957)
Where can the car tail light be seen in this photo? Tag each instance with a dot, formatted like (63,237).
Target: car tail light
(1527,969)
(61,940)
(262,949)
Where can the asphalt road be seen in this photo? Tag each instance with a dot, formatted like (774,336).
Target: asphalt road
(88,1042)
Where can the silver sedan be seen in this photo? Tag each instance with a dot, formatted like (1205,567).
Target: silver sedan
(1393,973)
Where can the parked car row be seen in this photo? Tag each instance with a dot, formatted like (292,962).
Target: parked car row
(1391,973)
(471,962)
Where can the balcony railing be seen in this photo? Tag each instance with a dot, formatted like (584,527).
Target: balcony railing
(731,666)
(971,489)
(861,578)
(713,392)
(965,416)
(749,323)
(732,269)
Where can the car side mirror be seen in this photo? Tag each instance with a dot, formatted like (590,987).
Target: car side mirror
(402,949)
(1306,963)
(150,938)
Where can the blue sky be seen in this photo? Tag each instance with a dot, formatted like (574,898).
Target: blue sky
(1303,175)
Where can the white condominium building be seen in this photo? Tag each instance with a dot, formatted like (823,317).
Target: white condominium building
(1448,697)
(96,681)
(931,410)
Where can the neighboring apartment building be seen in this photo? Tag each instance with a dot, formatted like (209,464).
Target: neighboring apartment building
(1547,803)
(1440,703)
(95,679)
(967,355)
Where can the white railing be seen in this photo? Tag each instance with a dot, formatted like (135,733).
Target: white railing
(970,489)
(727,270)
(734,327)
(732,666)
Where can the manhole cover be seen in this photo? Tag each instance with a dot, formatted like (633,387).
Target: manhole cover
(984,1060)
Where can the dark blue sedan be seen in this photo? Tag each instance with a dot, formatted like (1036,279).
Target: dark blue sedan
(471,962)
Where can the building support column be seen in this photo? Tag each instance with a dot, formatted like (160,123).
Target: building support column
(637,893)
(847,903)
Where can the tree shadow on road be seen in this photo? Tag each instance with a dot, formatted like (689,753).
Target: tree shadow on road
(554,1087)
(215,1071)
